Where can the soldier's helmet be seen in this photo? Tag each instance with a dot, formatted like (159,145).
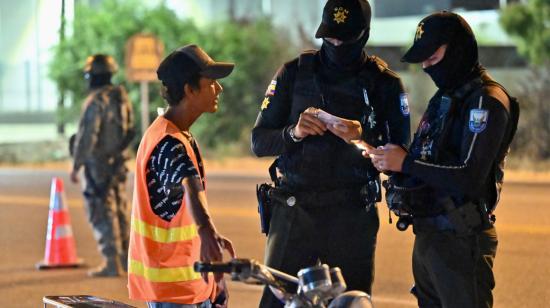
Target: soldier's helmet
(100,64)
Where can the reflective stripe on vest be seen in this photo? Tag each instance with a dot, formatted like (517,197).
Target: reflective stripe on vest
(171,274)
(164,235)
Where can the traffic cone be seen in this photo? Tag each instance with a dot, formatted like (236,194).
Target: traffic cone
(60,245)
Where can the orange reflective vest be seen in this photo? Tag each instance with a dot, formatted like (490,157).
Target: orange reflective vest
(162,253)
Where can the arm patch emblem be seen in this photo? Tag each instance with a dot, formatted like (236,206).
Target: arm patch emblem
(478,120)
(404,99)
(271,88)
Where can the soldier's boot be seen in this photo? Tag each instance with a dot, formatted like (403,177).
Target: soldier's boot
(110,268)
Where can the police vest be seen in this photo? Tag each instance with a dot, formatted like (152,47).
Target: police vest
(162,253)
(433,140)
(328,162)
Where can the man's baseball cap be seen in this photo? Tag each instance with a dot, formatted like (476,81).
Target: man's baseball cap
(344,19)
(433,31)
(184,62)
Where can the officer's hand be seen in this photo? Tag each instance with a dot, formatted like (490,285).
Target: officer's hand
(309,124)
(212,246)
(387,158)
(74,176)
(347,130)
(363,145)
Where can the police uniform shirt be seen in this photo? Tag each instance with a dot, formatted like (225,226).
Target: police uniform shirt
(168,165)
(390,119)
(460,163)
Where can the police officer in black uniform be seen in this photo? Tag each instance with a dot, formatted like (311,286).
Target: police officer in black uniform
(324,205)
(452,176)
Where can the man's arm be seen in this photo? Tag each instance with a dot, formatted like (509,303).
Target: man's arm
(128,119)
(86,137)
(271,133)
(212,243)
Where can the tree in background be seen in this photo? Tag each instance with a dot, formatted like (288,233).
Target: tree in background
(255,47)
(529,24)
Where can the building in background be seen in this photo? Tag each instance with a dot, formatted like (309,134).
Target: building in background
(28,30)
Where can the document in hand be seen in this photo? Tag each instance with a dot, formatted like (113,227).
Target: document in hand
(328,118)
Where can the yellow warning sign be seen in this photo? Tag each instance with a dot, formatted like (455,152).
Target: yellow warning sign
(143,55)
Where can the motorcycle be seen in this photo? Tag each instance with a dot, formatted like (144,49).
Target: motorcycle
(315,287)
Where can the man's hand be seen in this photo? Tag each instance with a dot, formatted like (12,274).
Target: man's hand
(387,158)
(347,130)
(222,298)
(212,246)
(308,124)
(74,176)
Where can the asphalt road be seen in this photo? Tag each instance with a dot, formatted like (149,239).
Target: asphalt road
(522,266)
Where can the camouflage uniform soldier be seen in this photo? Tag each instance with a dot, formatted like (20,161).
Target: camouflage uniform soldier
(105,130)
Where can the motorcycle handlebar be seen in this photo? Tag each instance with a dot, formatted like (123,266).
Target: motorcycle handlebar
(214,267)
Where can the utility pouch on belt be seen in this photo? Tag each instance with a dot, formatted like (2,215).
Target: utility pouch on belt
(264,206)
(465,219)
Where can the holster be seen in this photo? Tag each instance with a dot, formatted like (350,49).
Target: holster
(264,206)
(464,220)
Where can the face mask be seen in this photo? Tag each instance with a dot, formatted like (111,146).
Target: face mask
(347,55)
(98,80)
(457,64)
(441,73)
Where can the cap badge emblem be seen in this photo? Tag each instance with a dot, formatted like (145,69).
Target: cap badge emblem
(340,15)
(419,31)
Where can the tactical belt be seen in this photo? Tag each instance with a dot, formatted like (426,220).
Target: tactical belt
(463,220)
(319,199)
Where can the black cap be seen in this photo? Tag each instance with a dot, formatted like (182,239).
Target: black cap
(433,31)
(344,19)
(189,60)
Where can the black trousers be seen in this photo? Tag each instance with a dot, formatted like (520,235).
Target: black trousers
(339,234)
(451,271)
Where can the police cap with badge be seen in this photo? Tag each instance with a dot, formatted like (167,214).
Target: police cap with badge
(434,31)
(344,19)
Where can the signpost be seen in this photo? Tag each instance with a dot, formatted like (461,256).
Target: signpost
(143,55)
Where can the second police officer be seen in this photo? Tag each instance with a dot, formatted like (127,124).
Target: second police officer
(453,174)
(328,213)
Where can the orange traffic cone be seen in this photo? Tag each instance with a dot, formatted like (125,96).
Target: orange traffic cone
(60,244)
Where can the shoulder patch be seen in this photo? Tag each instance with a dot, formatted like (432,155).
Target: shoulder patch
(478,120)
(404,99)
(271,88)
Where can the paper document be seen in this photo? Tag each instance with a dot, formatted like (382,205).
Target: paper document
(328,118)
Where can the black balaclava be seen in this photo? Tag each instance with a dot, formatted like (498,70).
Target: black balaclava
(98,80)
(347,56)
(458,63)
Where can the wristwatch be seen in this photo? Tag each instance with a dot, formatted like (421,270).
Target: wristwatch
(292,136)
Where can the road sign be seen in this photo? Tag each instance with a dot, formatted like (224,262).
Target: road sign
(142,57)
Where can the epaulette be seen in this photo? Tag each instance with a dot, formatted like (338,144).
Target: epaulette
(307,58)
(382,66)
